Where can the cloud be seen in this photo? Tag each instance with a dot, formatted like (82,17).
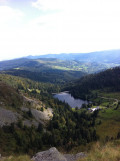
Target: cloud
(3,2)
(80,16)
(10,24)
(78,5)
(55,26)
(48,5)
(75,26)
(8,14)
(79,11)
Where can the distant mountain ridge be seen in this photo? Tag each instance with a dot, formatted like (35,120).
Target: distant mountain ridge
(61,68)
(14,63)
(110,56)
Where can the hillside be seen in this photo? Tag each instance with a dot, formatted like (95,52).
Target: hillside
(108,80)
(103,92)
(15,106)
(40,121)
(9,96)
(42,70)
(19,114)
(8,64)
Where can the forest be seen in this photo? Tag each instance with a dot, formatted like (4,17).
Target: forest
(108,81)
(68,128)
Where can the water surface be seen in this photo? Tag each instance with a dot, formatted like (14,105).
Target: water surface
(73,102)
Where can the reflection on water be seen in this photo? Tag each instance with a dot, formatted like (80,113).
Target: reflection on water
(73,102)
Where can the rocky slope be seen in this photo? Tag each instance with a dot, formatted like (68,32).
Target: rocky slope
(14,107)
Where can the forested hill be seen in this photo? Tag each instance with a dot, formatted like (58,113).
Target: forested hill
(42,70)
(108,80)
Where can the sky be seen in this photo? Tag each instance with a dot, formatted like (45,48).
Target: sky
(37,27)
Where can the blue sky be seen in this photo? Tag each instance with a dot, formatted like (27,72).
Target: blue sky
(35,27)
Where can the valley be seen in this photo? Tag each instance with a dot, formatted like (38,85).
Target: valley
(32,119)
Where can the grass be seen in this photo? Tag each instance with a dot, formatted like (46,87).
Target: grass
(115,95)
(108,152)
(99,152)
(62,68)
(17,158)
(108,119)
(110,123)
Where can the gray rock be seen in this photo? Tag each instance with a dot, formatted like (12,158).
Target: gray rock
(29,123)
(7,116)
(50,155)
(44,116)
(74,157)
(54,155)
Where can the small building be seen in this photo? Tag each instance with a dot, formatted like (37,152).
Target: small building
(93,109)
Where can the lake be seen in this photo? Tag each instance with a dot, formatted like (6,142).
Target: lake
(73,102)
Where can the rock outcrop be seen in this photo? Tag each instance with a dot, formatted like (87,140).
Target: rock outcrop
(7,117)
(54,155)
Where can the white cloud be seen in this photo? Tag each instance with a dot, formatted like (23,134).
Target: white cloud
(8,14)
(81,25)
(62,26)
(3,1)
(10,20)
(49,5)
(78,5)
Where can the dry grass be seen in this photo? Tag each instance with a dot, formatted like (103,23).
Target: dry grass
(109,152)
(108,128)
(17,158)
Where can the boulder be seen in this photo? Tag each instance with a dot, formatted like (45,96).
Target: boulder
(74,157)
(50,155)
(54,155)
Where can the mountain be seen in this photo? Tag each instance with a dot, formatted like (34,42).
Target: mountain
(8,64)
(43,70)
(110,56)
(61,68)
